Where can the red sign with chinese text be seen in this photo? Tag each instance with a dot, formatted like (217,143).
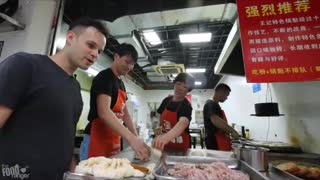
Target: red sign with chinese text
(280,39)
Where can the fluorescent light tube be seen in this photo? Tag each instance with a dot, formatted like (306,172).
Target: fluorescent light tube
(61,42)
(152,37)
(199,70)
(195,38)
(197,83)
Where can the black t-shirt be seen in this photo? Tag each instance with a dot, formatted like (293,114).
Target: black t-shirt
(38,138)
(209,109)
(107,83)
(185,109)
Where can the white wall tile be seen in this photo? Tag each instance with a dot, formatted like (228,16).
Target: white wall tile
(299,101)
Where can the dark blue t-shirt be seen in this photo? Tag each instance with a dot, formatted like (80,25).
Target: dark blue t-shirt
(38,138)
(106,83)
(209,109)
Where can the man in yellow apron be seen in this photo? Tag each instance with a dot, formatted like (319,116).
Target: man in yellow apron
(108,109)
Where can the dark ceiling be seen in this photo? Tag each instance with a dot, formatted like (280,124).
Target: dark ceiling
(194,55)
(110,10)
(234,65)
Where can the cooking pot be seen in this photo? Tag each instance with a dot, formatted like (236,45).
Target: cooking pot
(255,157)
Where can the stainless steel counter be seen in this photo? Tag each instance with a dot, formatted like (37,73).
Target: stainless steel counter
(255,175)
(304,157)
(243,166)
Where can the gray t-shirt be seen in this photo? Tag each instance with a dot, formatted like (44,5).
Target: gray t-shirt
(37,140)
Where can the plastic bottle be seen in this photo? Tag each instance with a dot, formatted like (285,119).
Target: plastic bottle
(247,134)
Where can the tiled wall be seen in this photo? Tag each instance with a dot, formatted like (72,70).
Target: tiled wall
(299,101)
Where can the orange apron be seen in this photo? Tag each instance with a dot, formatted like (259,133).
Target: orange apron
(222,139)
(168,120)
(103,141)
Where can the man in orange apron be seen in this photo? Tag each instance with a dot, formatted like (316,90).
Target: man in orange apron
(215,121)
(108,109)
(175,117)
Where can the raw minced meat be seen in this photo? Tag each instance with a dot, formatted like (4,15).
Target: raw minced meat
(213,171)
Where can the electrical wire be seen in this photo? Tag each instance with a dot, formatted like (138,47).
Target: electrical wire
(268,130)
(268,93)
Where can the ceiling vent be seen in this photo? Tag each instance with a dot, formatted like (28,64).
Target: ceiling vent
(169,69)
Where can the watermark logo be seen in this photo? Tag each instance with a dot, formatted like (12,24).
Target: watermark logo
(14,172)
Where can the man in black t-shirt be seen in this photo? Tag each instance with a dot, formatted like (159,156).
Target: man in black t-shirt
(108,108)
(215,121)
(40,104)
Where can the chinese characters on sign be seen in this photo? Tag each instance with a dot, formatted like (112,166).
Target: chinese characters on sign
(280,39)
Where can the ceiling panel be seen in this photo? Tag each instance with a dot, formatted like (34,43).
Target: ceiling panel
(196,14)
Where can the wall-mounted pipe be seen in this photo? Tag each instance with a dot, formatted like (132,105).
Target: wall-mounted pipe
(136,37)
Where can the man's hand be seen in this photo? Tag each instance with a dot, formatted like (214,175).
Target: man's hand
(160,141)
(73,164)
(141,149)
(235,135)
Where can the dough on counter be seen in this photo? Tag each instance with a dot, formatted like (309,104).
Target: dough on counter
(85,167)
(109,168)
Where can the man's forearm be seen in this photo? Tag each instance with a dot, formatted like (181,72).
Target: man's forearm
(129,123)
(73,164)
(221,124)
(115,124)
(178,129)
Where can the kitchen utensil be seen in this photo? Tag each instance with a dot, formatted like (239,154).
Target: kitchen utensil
(140,168)
(157,156)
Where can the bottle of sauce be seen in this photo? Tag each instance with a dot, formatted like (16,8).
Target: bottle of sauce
(247,134)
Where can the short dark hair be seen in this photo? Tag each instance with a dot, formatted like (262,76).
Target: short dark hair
(125,49)
(223,87)
(85,22)
(186,78)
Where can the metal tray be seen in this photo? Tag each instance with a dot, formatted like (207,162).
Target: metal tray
(160,171)
(276,173)
(76,176)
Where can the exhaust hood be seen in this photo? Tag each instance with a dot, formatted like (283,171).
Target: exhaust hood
(230,61)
